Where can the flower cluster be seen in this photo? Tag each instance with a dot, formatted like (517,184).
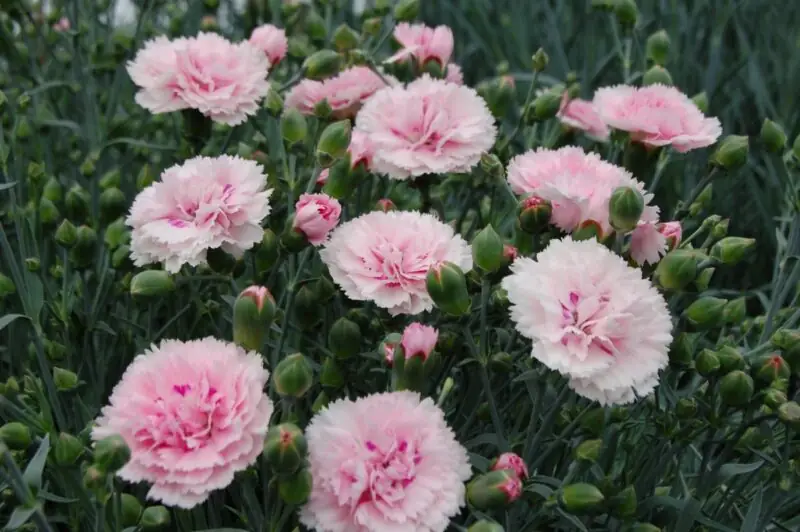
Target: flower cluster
(344,93)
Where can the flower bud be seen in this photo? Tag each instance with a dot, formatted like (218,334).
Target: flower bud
(676,270)
(155,518)
(731,250)
(546,105)
(447,286)
(296,488)
(501,362)
(731,152)
(788,341)
(293,376)
(540,60)
(657,74)
(253,313)
(388,347)
(15,435)
(487,250)
(580,498)
(705,312)
(625,208)
(495,489)
(111,453)
(657,47)
(294,128)
(534,214)
(771,368)
(121,258)
(130,510)
(627,13)
(151,283)
(331,375)
(774,398)
(111,179)
(285,448)
(333,143)
(730,359)
(589,450)
(485,526)
(512,462)
(77,203)
(385,205)
(789,413)
(406,10)
(273,103)
(491,164)
(720,229)
(7,286)
(707,363)
(344,338)
(686,408)
(67,449)
(95,478)
(112,203)
(322,64)
(145,177)
(773,137)
(345,38)
(735,311)
(48,212)
(64,379)
(53,190)
(736,388)
(623,504)
(267,252)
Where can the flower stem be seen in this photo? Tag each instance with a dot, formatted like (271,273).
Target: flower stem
(287,310)
(518,125)
(683,206)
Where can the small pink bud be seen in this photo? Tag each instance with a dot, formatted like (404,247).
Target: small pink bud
(62,25)
(385,205)
(316,215)
(260,294)
(513,462)
(512,487)
(323,176)
(510,252)
(672,231)
(419,340)
(388,346)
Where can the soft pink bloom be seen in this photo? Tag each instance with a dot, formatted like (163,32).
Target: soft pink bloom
(512,487)
(510,252)
(305,96)
(657,115)
(423,43)
(454,74)
(443,128)
(63,24)
(384,463)
(272,41)
(419,340)
(591,317)
(259,294)
(315,215)
(577,184)
(672,232)
(222,80)
(201,204)
(512,462)
(345,93)
(648,245)
(581,114)
(193,414)
(322,178)
(385,257)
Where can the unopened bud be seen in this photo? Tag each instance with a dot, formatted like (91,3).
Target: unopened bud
(657,47)
(705,312)
(625,208)
(64,379)
(676,270)
(53,190)
(773,137)
(253,313)
(145,177)
(273,103)
(112,203)
(771,368)
(372,26)
(540,60)
(406,10)
(546,105)
(331,375)
(117,234)
(657,75)
(95,478)
(774,398)
(491,164)
(322,64)
(320,402)
(447,286)
(67,449)
(345,38)
(333,143)
(733,249)
(789,413)
(487,250)
(48,212)
(285,448)
(15,435)
(512,462)
(121,258)
(534,214)
(485,526)
(111,454)
(707,363)
(385,205)
(151,283)
(624,503)
(735,311)
(294,128)
(77,203)
(589,450)
(296,488)
(580,498)
(730,359)
(344,338)
(686,408)
(736,388)
(155,518)
(293,376)
(111,179)
(267,252)
(130,510)
(495,489)
(731,152)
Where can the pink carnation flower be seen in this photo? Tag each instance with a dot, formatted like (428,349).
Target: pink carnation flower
(384,463)
(581,114)
(315,215)
(657,115)
(423,43)
(512,462)
(63,24)
(593,318)
(360,150)
(650,241)
(193,414)
(385,257)
(443,128)
(578,185)
(305,96)
(202,204)
(221,80)
(419,340)
(272,41)
(345,93)
(454,74)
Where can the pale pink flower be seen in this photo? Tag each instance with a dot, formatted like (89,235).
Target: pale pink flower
(648,245)
(305,96)
(443,128)
(581,114)
(272,41)
(577,184)
(315,215)
(657,115)
(347,91)
(454,74)
(155,71)
(672,232)
(201,204)
(193,414)
(384,463)
(419,340)
(591,317)
(512,462)
(63,24)
(423,43)
(385,257)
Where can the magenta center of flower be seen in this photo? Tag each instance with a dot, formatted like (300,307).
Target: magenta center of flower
(212,208)
(397,268)
(588,323)
(386,474)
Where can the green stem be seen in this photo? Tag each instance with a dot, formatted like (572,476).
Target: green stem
(528,99)
(291,291)
(683,206)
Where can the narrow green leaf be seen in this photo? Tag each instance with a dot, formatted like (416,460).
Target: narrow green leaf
(750,523)
(6,186)
(8,318)
(19,517)
(33,473)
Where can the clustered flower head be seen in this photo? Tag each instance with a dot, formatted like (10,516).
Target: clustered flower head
(202,204)
(582,115)
(345,92)
(272,41)
(443,128)
(385,462)
(315,216)
(591,317)
(657,115)
(222,80)
(385,257)
(192,413)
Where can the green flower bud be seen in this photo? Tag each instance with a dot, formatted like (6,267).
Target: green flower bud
(546,105)
(333,143)
(151,283)
(625,208)
(111,454)
(494,489)
(789,413)
(64,379)
(320,402)
(293,376)
(627,13)
(35,172)
(771,368)
(307,307)
(121,258)
(788,341)
(580,498)
(623,504)
(534,214)
(736,388)
(707,363)
(273,103)
(540,60)
(67,449)
(15,435)
(130,510)
(487,250)
(294,128)
(300,46)
(315,26)
(681,352)
(111,179)
(267,252)
(344,338)
(406,10)
(735,311)
(253,313)
(773,136)
(345,38)
(657,47)
(48,212)
(731,152)
(644,527)
(285,448)
(730,359)
(447,286)
(686,408)
(720,229)
(491,164)
(704,279)
(112,203)
(705,312)
(485,526)
(33,264)
(155,518)
(774,398)
(731,250)
(24,129)
(53,190)
(322,64)
(77,203)
(296,488)
(589,450)
(95,478)
(676,270)
(331,375)
(657,74)
(7,286)
(501,362)
(117,234)
(145,177)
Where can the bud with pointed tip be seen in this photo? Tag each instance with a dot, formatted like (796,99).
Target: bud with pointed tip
(64,379)
(657,47)
(406,10)
(495,489)
(485,526)
(789,413)
(730,359)
(731,250)
(151,283)
(155,518)
(273,103)
(253,313)
(534,214)
(344,338)
(145,177)
(268,251)
(111,454)
(487,250)
(657,74)
(491,164)
(333,143)
(77,203)
(773,137)
(322,64)
(686,408)
(772,368)
(731,152)
(112,203)
(625,208)
(385,205)
(705,312)
(294,128)
(296,488)
(95,479)
(285,448)
(48,212)
(15,435)
(447,286)
(580,498)
(540,60)
(774,398)
(67,449)
(736,388)
(589,450)
(545,106)
(293,376)
(707,363)
(345,38)
(735,311)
